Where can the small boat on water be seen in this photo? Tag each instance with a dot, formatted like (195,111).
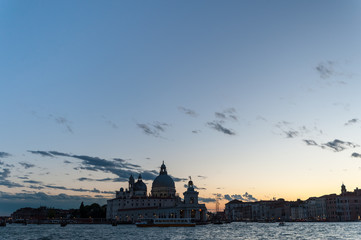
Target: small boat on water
(2,224)
(165,222)
(63,224)
(281,224)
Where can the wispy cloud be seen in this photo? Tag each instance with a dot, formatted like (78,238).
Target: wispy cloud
(288,129)
(26,165)
(154,129)
(38,187)
(82,179)
(352,121)
(177,179)
(220,115)
(206,200)
(310,142)
(291,133)
(217,125)
(249,197)
(196,131)
(202,177)
(4,174)
(4,154)
(221,119)
(22,177)
(356,155)
(326,69)
(63,122)
(218,196)
(41,153)
(32,182)
(336,145)
(110,123)
(329,69)
(195,187)
(6,165)
(117,166)
(261,118)
(94,190)
(244,197)
(227,114)
(44,196)
(188,111)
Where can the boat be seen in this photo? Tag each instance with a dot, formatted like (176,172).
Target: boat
(165,222)
(63,224)
(281,224)
(2,224)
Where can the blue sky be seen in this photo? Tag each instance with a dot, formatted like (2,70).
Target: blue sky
(253,97)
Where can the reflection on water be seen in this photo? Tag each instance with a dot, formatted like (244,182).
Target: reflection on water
(331,231)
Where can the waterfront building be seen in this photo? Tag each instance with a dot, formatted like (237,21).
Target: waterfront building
(278,210)
(233,211)
(316,209)
(298,210)
(343,207)
(133,203)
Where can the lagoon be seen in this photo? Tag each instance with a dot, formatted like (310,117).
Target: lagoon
(235,230)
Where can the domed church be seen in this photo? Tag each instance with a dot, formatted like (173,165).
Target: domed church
(133,203)
(163,185)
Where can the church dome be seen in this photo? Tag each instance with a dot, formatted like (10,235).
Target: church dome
(163,185)
(140,185)
(163,181)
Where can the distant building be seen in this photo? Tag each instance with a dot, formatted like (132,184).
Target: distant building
(133,203)
(316,209)
(332,207)
(237,210)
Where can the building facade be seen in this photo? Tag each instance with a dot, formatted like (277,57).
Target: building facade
(343,207)
(133,203)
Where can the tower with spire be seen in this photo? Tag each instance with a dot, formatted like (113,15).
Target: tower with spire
(131,182)
(190,196)
(343,189)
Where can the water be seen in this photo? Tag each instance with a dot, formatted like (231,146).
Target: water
(254,231)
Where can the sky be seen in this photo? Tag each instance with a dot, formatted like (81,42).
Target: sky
(254,100)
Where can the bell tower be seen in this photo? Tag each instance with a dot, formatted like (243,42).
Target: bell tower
(190,196)
(343,189)
(131,183)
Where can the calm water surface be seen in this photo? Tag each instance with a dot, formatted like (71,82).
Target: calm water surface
(330,231)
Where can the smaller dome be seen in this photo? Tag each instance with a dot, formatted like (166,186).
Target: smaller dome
(140,185)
